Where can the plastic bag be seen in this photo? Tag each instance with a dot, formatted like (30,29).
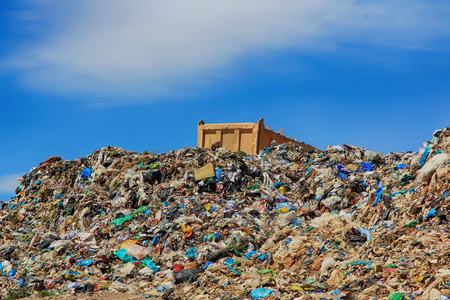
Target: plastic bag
(137,251)
(261,293)
(187,274)
(121,221)
(327,263)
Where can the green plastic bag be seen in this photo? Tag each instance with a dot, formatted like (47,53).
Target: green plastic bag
(150,265)
(267,271)
(142,208)
(121,221)
(122,254)
(396,296)
(412,224)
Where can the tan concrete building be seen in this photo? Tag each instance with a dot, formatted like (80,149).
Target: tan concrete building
(247,137)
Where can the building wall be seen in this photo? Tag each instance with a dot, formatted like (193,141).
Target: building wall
(247,137)
(268,135)
(234,137)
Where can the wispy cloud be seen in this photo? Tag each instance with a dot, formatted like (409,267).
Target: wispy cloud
(144,47)
(9,182)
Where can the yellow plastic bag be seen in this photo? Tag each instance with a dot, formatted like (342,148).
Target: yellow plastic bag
(127,243)
(186,228)
(283,210)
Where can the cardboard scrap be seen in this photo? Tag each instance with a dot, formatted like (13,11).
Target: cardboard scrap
(206,171)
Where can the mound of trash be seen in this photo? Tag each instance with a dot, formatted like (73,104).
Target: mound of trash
(200,224)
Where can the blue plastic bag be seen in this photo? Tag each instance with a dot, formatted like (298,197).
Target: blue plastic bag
(336,291)
(431,213)
(218,173)
(151,265)
(366,232)
(342,175)
(250,254)
(191,253)
(379,193)
(366,166)
(231,269)
(85,262)
(360,262)
(288,205)
(424,156)
(86,173)
(122,254)
(260,293)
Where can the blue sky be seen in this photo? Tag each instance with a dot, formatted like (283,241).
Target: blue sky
(76,76)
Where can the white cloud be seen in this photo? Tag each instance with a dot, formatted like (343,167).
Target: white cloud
(8,183)
(118,47)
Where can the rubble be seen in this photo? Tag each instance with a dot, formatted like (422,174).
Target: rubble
(202,224)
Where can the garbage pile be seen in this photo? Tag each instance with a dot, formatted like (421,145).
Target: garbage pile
(196,223)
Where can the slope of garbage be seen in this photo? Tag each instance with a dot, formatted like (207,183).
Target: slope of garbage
(195,223)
